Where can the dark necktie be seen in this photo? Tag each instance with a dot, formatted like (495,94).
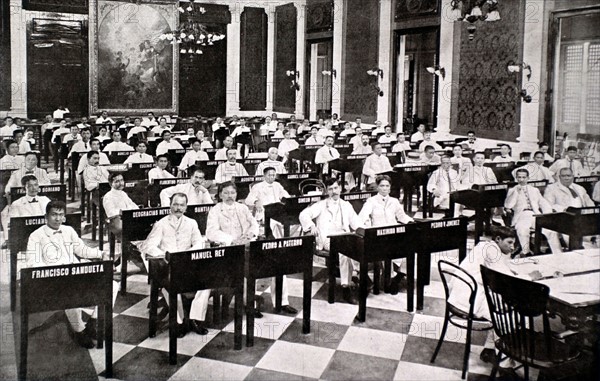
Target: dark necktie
(86,147)
(449,180)
(29,172)
(573,193)
(33,200)
(57,232)
(527,198)
(330,152)
(571,166)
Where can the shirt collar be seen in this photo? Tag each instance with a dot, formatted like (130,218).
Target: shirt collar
(49,231)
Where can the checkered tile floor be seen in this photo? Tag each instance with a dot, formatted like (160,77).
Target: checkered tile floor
(391,344)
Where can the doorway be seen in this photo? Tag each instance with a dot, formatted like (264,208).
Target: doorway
(318,94)
(415,89)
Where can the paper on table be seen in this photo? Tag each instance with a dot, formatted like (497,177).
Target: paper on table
(589,252)
(580,289)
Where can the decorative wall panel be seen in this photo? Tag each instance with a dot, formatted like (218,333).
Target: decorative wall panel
(253,59)
(203,79)
(410,9)
(285,57)
(360,54)
(57,66)
(488,99)
(319,16)
(66,6)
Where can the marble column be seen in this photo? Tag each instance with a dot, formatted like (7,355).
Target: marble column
(18,58)
(301,57)
(445,86)
(233,60)
(270,10)
(385,60)
(337,97)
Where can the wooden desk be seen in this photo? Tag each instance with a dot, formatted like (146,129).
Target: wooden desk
(287,212)
(407,177)
(350,163)
(574,222)
(196,270)
(433,237)
(574,296)
(138,171)
(275,258)
(140,222)
(480,198)
(304,154)
(243,184)
(588,182)
(378,244)
(157,185)
(291,181)
(63,287)
(503,171)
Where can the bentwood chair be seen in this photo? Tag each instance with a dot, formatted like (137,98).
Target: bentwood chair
(456,316)
(515,305)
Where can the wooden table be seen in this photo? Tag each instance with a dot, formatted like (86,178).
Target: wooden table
(574,295)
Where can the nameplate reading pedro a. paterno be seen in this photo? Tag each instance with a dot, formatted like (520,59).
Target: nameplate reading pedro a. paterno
(281,244)
(207,254)
(66,271)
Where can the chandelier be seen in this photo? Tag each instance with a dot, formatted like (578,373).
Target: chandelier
(472,11)
(192,35)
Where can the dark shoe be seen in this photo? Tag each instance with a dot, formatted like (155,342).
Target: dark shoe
(289,310)
(257,314)
(488,355)
(356,280)
(181,330)
(83,340)
(396,283)
(197,327)
(349,296)
(90,328)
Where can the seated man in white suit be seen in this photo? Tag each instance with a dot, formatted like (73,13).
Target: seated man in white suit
(527,201)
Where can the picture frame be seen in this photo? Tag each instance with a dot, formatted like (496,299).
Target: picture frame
(131,67)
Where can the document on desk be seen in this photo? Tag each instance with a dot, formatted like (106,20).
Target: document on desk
(592,253)
(576,290)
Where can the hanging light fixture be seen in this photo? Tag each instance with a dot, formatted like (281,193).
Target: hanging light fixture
(473,11)
(191,33)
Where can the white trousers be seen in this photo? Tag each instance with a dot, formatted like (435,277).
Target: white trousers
(198,308)
(523,223)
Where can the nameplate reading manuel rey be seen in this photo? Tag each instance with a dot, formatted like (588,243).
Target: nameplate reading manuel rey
(207,254)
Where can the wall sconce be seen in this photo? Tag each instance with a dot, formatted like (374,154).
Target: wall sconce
(524,96)
(377,72)
(471,30)
(331,72)
(379,91)
(516,68)
(293,73)
(437,70)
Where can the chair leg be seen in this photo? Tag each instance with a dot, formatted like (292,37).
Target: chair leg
(467,348)
(526,370)
(495,367)
(441,340)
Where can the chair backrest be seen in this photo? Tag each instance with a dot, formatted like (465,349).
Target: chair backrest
(451,273)
(308,185)
(513,304)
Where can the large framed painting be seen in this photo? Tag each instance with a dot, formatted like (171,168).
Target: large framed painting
(133,70)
